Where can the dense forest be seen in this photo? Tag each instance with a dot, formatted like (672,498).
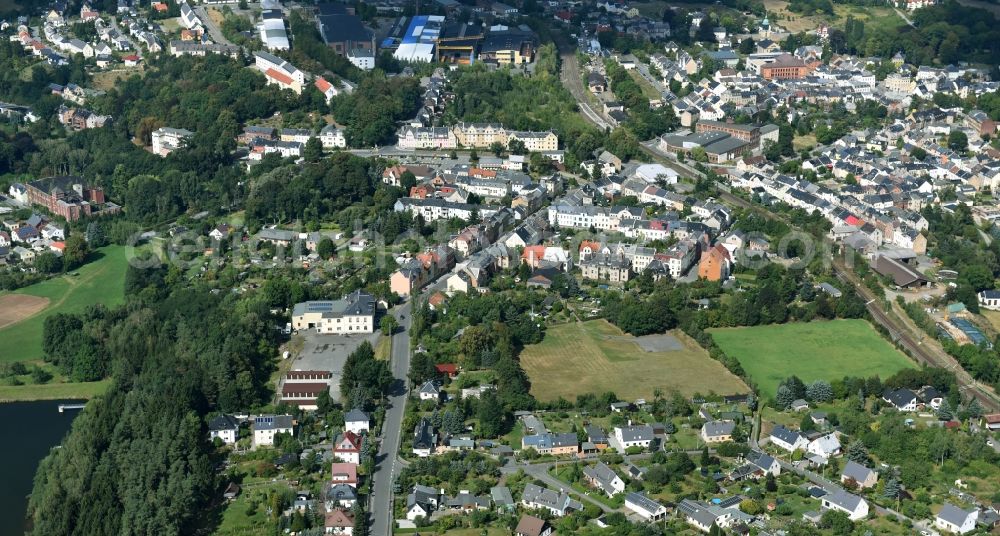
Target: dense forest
(138,460)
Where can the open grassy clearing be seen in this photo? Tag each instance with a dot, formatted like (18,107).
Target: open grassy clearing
(100,281)
(53,391)
(777,11)
(106,80)
(648,90)
(596,357)
(803,142)
(812,351)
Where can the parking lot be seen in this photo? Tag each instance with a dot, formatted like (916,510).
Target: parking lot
(328,352)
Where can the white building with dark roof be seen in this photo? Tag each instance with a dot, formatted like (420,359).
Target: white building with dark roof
(355,313)
(854,506)
(956,520)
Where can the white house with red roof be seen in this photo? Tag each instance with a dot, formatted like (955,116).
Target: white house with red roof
(347,447)
(279,71)
(344,473)
(326,88)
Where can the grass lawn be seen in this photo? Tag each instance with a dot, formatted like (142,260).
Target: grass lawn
(100,281)
(871,15)
(235,519)
(992,316)
(812,351)
(53,391)
(648,90)
(803,142)
(596,357)
(383,348)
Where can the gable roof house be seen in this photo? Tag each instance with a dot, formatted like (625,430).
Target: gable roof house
(859,474)
(701,515)
(347,447)
(789,440)
(340,522)
(826,446)
(424,438)
(901,399)
(854,506)
(603,477)
(717,431)
(956,520)
(357,421)
(532,526)
(757,465)
(633,436)
(558,504)
(646,508)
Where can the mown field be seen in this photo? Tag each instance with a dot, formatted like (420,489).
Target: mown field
(596,357)
(812,351)
(100,281)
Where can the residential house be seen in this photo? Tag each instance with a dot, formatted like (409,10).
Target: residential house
(347,447)
(826,446)
(357,421)
(717,431)
(854,506)
(532,526)
(431,390)
(633,436)
(956,520)
(646,508)
(225,427)
(757,465)
(604,478)
(860,475)
(701,515)
(344,473)
(265,427)
(559,504)
(167,140)
(424,438)
(901,399)
(715,264)
(422,502)
(786,439)
(341,495)
(552,444)
(339,522)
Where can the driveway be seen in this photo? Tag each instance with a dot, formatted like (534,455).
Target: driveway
(329,352)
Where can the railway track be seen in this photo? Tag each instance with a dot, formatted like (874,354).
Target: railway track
(924,354)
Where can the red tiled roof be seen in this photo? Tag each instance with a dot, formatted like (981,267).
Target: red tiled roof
(323,85)
(447,368)
(274,74)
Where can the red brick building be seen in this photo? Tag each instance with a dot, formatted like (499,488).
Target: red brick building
(68,197)
(787,66)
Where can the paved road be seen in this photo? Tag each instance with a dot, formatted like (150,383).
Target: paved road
(213,29)
(386,460)
(904,17)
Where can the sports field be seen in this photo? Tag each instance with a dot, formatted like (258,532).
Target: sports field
(596,357)
(826,350)
(100,281)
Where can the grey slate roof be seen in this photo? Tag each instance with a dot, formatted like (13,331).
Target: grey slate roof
(953,514)
(843,499)
(856,471)
(719,428)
